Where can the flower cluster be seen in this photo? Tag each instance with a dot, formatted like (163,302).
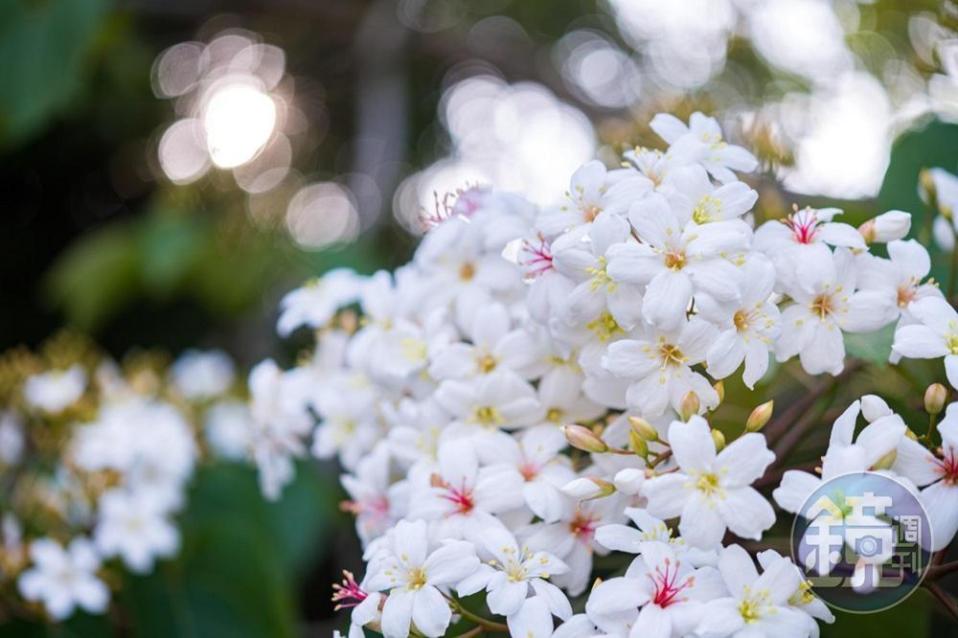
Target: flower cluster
(95,459)
(535,378)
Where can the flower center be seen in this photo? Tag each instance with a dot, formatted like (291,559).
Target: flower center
(467,271)
(670,355)
(708,483)
(667,585)
(582,527)
(906,294)
(590,213)
(417,579)
(706,210)
(529,470)
(753,607)
(487,415)
(538,258)
(486,363)
(952,343)
(604,326)
(822,306)
(948,467)
(600,278)
(803,225)
(741,319)
(554,415)
(675,260)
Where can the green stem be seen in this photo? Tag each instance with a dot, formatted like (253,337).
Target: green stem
(932,420)
(476,618)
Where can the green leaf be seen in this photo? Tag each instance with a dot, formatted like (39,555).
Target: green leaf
(910,618)
(44,46)
(237,570)
(96,276)
(873,347)
(170,245)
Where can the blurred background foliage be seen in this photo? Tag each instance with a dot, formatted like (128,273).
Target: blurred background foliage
(171,167)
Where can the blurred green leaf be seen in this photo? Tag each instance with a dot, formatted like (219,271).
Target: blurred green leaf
(169,247)
(96,276)
(910,618)
(44,46)
(236,574)
(873,347)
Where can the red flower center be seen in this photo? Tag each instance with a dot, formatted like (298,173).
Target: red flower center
(667,584)
(948,467)
(349,593)
(803,225)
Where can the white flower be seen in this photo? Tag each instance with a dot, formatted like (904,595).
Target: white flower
(748,329)
(376,502)
(56,390)
(498,400)
(315,303)
(534,458)
(202,375)
(702,141)
(412,575)
(593,190)
(757,604)
(229,429)
(495,345)
(572,539)
(509,572)
(659,366)
(134,527)
(583,257)
(934,335)
(899,276)
(712,492)
(668,590)
(11,438)
(463,496)
(938,476)
(826,305)
(697,199)
(804,600)
(846,453)
(677,260)
(63,579)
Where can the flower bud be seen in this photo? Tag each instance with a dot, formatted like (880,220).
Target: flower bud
(582,438)
(690,406)
(887,227)
(759,416)
(643,428)
(719,388)
(587,488)
(719,439)
(638,444)
(944,233)
(935,397)
(927,189)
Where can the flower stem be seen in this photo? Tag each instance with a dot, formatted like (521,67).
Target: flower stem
(946,600)
(485,623)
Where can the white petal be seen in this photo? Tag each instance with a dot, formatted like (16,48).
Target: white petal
(430,612)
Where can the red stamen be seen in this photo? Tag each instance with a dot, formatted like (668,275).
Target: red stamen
(349,593)
(803,225)
(582,527)
(666,589)
(536,258)
(948,467)
(461,497)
